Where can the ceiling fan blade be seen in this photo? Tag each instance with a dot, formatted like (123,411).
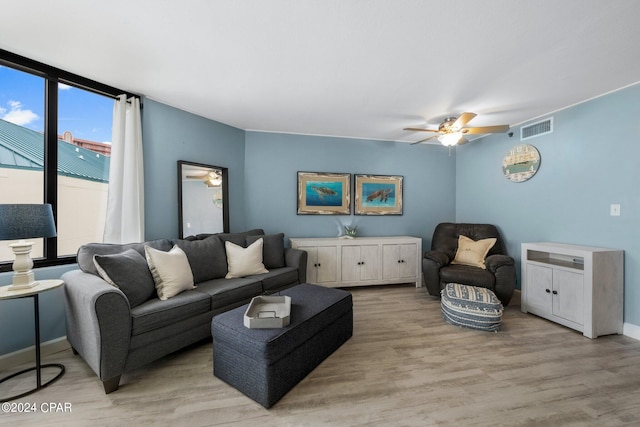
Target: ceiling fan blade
(421,130)
(463,120)
(423,140)
(486,129)
(196,176)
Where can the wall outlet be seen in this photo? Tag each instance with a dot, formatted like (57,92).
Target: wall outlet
(615,210)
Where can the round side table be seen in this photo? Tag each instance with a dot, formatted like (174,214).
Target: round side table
(5,293)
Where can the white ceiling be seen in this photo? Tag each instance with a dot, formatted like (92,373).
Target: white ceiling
(352,68)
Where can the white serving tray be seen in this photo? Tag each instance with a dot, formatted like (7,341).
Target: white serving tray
(268,312)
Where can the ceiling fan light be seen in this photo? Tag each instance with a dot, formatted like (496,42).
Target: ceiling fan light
(450,139)
(214,182)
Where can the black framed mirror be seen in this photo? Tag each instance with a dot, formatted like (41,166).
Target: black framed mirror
(203,199)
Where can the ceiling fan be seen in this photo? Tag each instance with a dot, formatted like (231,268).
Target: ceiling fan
(452,131)
(211,179)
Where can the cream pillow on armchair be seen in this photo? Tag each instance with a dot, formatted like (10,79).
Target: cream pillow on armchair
(471,252)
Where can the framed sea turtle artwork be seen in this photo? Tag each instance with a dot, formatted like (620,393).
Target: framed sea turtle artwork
(378,195)
(324,193)
(521,163)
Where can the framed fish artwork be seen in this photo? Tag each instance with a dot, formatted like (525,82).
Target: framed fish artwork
(321,193)
(378,195)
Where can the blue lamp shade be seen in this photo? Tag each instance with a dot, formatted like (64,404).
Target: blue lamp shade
(24,221)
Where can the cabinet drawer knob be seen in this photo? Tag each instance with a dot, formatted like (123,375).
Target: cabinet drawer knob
(555,292)
(547,291)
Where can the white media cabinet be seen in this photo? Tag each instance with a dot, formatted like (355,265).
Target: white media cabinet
(340,262)
(579,287)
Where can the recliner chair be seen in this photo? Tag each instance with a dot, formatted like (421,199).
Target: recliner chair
(437,270)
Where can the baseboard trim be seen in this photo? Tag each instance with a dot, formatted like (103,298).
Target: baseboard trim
(630,330)
(28,355)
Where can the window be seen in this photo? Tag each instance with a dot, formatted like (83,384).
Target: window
(55,132)
(84,122)
(21,144)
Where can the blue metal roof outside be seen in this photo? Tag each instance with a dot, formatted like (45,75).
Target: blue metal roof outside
(23,148)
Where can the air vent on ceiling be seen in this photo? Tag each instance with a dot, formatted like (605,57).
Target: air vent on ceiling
(536,129)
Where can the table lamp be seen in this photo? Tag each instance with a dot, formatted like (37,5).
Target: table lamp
(24,221)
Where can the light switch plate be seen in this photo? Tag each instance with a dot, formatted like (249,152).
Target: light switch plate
(615,210)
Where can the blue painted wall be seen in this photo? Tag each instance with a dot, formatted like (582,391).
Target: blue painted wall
(169,135)
(273,160)
(589,162)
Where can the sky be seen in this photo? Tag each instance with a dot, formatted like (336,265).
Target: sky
(87,115)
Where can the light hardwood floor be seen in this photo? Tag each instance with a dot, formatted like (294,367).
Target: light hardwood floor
(404,366)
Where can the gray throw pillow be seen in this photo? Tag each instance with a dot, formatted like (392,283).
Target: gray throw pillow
(87,251)
(207,258)
(129,272)
(239,238)
(272,249)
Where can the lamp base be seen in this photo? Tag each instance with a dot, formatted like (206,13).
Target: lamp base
(23,280)
(23,275)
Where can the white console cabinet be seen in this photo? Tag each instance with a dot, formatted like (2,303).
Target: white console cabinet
(576,286)
(339,262)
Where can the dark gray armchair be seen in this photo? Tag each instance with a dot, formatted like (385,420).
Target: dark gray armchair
(499,276)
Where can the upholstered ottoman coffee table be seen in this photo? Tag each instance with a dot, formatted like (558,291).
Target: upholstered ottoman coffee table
(265,364)
(471,307)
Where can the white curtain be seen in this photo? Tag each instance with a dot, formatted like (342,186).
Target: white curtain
(125,203)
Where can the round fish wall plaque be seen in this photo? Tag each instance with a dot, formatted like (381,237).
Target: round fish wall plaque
(521,163)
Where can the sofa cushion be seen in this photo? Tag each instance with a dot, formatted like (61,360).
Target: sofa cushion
(474,276)
(272,249)
(170,270)
(207,257)
(243,262)
(224,292)
(86,252)
(471,252)
(155,313)
(239,238)
(278,278)
(127,271)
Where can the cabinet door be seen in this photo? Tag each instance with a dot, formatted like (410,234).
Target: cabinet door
(350,263)
(359,263)
(321,264)
(568,295)
(327,264)
(312,263)
(539,285)
(369,262)
(390,261)
(399,261)
(408,260)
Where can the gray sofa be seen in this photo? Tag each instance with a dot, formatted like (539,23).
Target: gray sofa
(123,326)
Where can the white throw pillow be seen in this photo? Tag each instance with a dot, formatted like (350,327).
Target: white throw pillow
(170,270)
(244,261)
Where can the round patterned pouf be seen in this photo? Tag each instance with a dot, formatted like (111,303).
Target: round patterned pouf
(471,307)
